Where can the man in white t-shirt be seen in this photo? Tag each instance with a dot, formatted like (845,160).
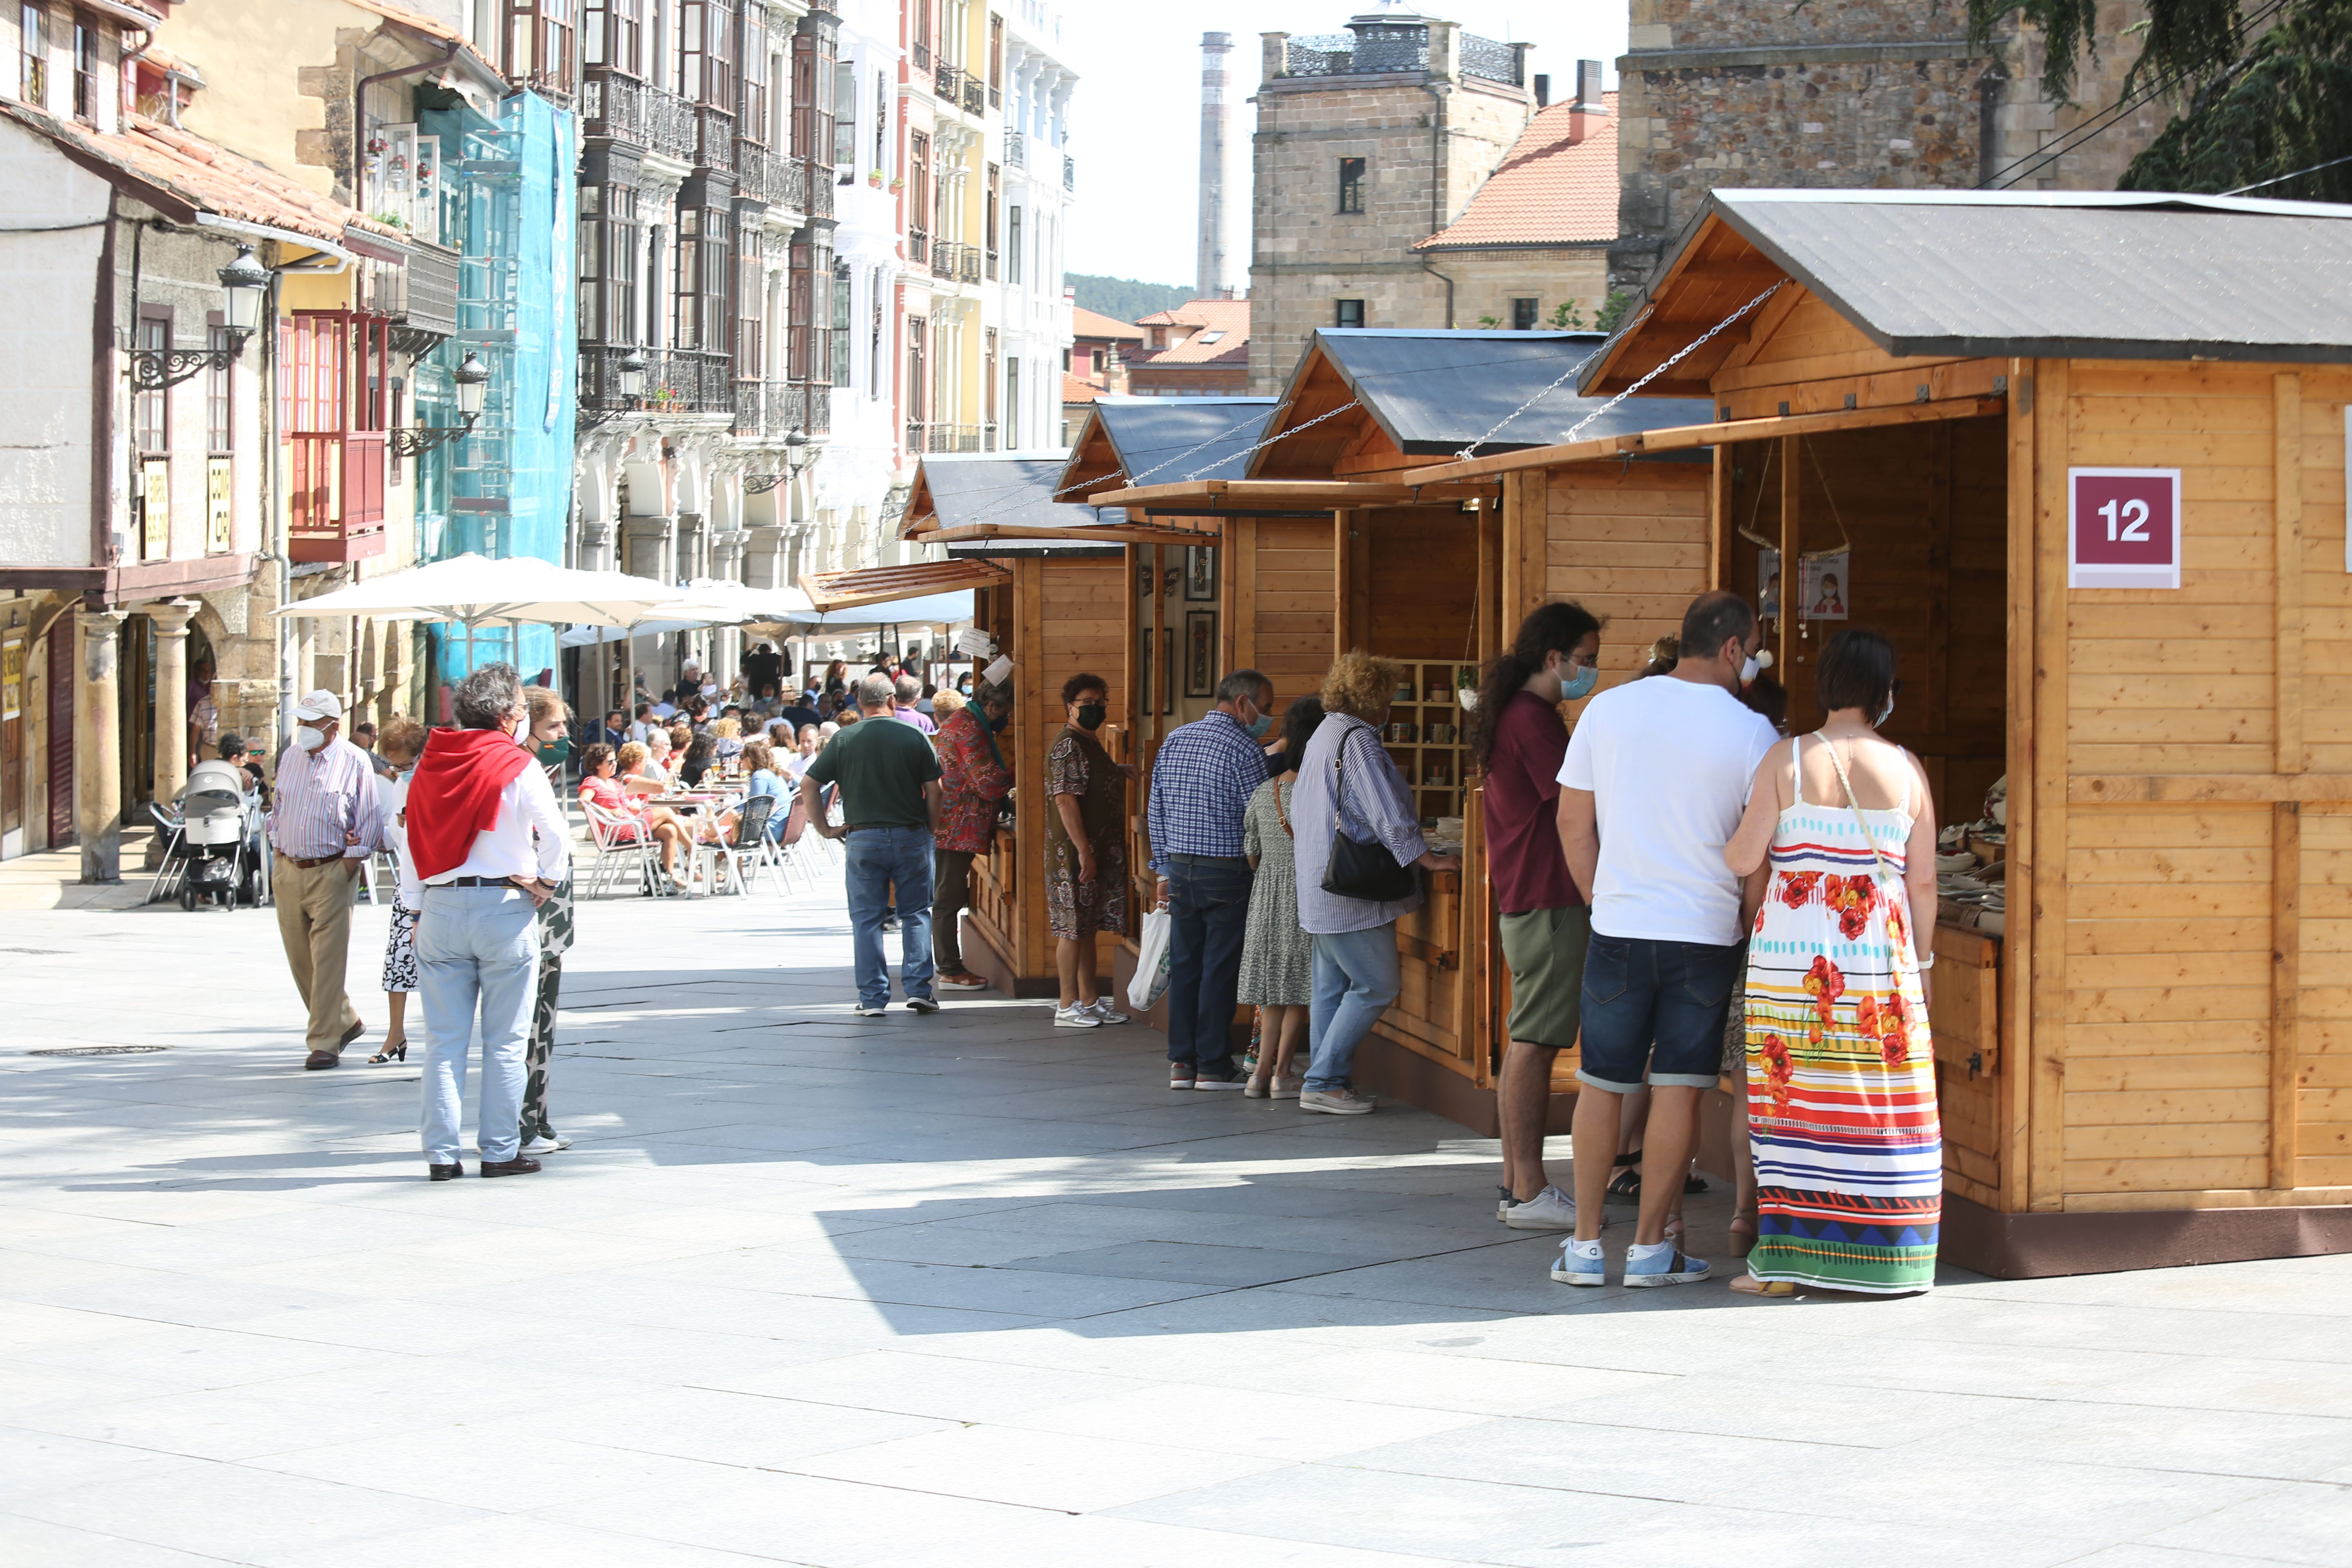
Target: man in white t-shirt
(1655,779)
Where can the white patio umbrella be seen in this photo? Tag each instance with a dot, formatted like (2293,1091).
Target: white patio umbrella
(478,591)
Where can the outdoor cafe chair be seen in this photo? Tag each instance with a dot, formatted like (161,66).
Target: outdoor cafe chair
(620,842)
(748,849)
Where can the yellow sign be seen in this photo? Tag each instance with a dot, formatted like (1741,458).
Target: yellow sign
(218,519)
(155,510)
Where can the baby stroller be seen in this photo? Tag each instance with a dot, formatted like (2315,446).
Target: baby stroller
(211,854)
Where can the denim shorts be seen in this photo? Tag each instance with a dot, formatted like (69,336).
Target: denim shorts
(1659,1002)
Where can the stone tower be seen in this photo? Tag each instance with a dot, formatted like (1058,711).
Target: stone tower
(1867,93)
(1367,142)
(1218,273)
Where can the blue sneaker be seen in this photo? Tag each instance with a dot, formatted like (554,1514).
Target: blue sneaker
(1667,1266)
(1575,1269)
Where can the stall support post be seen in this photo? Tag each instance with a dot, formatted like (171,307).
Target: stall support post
(2286,983)
(2287,459)
(2045,1047)
(2017,979)
(1718,531)
(1784,662)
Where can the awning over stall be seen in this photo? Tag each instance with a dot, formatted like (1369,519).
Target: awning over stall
(833,591)
(957,490)
(1176,441)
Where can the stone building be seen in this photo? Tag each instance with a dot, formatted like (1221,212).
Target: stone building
(1876,93)
(1532,249)
(1199,348)
(1367,142)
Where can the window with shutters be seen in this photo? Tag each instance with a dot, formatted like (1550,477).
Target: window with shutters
(32,54)
(841,303)
(995,62)
(919,25)
(845,120)
(151,412)
(919,195)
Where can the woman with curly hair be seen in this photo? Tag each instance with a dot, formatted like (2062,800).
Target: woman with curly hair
(1086,851)
(1347,784)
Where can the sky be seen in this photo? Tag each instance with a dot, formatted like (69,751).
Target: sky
(1134,116)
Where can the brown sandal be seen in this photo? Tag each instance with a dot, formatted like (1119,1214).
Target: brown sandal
(1749,1285)
(1743,1234)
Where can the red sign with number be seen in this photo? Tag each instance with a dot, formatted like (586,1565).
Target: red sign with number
(2123,527)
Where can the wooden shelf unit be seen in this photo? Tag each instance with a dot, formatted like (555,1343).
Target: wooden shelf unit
(1432,769)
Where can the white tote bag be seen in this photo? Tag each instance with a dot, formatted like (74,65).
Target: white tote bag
(1150,979)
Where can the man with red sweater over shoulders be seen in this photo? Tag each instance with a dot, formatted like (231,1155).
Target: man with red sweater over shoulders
(488,844)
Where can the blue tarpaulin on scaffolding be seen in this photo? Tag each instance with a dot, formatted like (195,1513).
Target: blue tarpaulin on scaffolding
(506,488)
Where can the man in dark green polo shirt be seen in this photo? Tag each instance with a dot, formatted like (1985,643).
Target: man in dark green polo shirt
(888,777)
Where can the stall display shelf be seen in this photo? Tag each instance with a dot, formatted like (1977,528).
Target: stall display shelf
(1432,768)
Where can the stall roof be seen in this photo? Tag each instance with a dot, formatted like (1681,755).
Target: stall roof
(1432,394)
(831,591)
(2102,275)
(957,490)
(1175,438)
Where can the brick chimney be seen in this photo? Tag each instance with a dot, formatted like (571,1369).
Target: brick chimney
(1587,114)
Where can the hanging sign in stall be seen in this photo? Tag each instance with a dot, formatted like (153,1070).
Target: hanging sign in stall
(2123,527)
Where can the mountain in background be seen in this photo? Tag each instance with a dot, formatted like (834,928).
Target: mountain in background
(1125,298)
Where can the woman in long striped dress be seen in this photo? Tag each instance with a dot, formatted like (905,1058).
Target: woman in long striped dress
(1841,1077)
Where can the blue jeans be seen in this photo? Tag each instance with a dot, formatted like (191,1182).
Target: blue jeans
(1356,978)
(879,857)
(1208,909)
(477,951)
(1656,1004)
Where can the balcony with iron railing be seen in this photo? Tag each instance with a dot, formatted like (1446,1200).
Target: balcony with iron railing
(975,97)
(817,178)
(1016,149)
(627,109)
(714,138)
(918,246)
(763,174)
(926,437)
(1374,48)
(920,52)
(676,381)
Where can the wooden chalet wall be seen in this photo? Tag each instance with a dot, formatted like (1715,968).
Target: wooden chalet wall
(1275,592)
(2192,972)
(1060,616)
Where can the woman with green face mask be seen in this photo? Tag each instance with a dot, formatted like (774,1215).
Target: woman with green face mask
(1517,740)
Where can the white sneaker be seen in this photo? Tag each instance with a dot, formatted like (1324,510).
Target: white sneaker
(1335,1102)
(1076,1016)
(547,1145)
(1106,1014)
(1549,1209)
(922,1005)
(865,1012)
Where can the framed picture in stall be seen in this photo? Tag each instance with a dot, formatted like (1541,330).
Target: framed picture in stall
(1825,584)
(1199,577)
(1200,652)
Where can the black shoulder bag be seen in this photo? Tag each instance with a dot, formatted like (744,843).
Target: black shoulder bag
(1367,871)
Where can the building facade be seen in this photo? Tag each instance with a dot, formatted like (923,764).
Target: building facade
(1886,93)
(1367,142)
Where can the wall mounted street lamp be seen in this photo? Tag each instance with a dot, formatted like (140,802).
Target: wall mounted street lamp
(797,456)
(633,374)
(470,377)
(245,285)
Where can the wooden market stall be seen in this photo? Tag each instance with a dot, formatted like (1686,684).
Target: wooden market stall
(1056,606)
(2097,500)
(1437,576)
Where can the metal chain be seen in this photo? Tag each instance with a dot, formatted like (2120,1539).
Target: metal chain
(1465,455)
(1679,355)
(1284,436)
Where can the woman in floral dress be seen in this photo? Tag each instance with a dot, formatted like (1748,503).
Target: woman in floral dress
(1841,1075)
(1086,852)
(1277,973)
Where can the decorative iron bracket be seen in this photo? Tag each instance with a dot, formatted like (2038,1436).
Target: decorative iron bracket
(416,442)
(152,370)
(761,484)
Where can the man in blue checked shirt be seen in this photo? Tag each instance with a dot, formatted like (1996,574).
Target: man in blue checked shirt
(1201,781)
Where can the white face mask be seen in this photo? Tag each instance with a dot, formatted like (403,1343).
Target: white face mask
(308,739)
(1755,664)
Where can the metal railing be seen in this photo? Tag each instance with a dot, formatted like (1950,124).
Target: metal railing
(627,109)
(1369,48)
(1069,172)
(669,125)
(918,246)
(943,257)
(764,176)
(921,52)
(975,100)
(679,381)
(923,438)
(714,138)
(771,409)
(817,180)
(945,78)
(1016,149)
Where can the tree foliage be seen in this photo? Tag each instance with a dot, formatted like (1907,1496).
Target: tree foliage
(2184,37)
(1125,298)
(2287,108)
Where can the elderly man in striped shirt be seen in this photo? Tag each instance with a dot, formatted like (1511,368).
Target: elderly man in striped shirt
(324,826)
(1201,781)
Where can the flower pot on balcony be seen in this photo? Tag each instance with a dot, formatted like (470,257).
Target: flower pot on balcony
(875,180)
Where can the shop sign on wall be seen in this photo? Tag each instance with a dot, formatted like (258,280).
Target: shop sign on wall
(2123,527)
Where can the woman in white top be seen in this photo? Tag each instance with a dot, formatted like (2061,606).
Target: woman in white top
(401,742)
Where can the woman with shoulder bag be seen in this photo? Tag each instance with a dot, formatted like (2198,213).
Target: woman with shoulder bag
(1357,841)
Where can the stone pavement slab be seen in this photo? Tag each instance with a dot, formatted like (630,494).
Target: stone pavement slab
(839,1292)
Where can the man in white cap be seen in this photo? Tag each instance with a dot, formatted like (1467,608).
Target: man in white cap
(324,824)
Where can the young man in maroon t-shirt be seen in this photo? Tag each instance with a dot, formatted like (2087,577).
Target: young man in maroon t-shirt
(1517,741)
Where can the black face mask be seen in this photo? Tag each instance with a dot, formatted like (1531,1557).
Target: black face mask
(1091,715)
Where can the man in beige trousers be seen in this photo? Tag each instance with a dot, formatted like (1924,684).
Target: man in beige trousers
(323,825)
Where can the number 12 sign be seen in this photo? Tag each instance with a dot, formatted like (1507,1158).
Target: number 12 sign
(2123,527)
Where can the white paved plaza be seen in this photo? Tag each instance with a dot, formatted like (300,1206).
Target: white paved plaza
(966,1290)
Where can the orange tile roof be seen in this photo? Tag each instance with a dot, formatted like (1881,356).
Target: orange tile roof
(1085,323)
(1227,321)
(1548,190)
(182,170)
(432,25)
(1216,315)
(1078,389)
